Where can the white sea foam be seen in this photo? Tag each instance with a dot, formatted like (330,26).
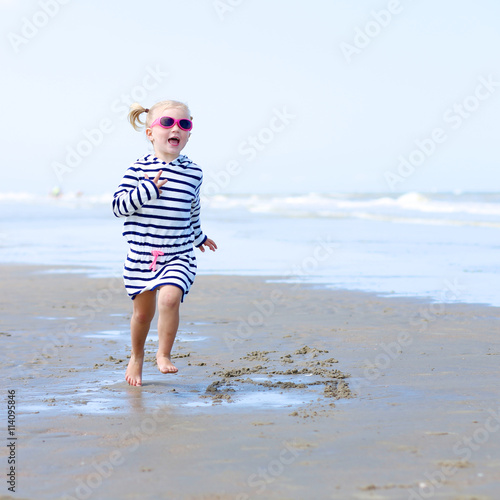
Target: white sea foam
(66,201)
(414,208)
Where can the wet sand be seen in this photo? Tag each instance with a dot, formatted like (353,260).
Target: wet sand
(283,392)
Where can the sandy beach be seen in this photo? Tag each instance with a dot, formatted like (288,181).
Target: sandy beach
(284,392)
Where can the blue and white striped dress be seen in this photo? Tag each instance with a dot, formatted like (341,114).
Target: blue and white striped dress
(161,228)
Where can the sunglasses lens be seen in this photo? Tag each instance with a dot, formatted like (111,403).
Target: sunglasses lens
(167,122)
(186,124)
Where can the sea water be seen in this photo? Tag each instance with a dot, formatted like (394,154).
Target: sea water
(441,246)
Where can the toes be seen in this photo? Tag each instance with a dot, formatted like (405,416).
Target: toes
(168,369)
(132,381)
(166,366)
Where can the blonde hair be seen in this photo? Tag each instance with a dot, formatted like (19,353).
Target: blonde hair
(136,111)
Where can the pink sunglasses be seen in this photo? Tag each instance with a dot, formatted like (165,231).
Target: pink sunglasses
(169,122)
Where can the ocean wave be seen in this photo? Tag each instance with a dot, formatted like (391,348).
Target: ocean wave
(322,205)
(56,198)
(480,209)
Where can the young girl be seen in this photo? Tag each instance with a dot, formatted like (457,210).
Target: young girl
(160,198)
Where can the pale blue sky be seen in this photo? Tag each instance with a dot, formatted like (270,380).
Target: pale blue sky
(347,121)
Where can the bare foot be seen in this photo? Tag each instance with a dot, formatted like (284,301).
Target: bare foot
(164,364)
(133,375)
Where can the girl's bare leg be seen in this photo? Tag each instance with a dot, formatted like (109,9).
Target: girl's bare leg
(169,300)
(143,314)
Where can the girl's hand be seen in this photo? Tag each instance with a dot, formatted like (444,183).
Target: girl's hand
(156,180)
(208,243)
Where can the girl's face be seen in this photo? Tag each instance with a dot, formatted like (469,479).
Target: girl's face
(169,142)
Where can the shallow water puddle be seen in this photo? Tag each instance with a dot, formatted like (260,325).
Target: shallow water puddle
(104,334)
(260,399)
(191,339)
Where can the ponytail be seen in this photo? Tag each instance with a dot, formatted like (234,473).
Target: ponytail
(136,111)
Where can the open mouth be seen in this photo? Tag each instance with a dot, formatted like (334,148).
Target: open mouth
(174,141)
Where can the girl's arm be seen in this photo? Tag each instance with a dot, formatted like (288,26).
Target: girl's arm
(133,192)
(200,240)
(199,237)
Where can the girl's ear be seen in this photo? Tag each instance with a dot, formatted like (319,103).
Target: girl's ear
(149,134)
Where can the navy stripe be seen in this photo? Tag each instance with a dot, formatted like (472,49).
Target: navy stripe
(131,177)
(175,209)
(188,265)
(123,209)
(162,245)
(183,183)
(171,189)
(161,217)
(131,201)
(191,262)
(176,200)
(135,275)
(146,234)
(133,224)
(152,235)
